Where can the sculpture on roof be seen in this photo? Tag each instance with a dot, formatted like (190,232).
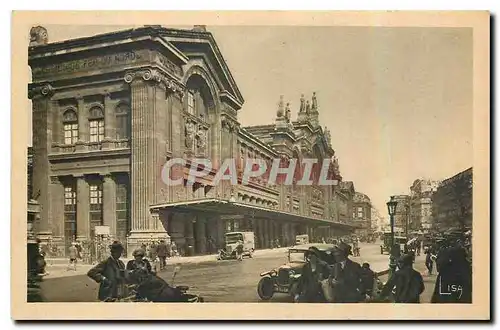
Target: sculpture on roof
(281,105)
(328,136)
(199,28)
(308,107)
(302,103)
(38,36)
(314,102)
(335,164)
(288,113)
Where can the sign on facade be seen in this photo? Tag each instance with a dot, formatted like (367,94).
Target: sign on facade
(102,230)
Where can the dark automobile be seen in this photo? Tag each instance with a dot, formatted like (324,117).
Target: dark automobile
(284,279)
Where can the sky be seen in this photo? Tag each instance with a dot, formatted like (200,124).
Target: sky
(397,101)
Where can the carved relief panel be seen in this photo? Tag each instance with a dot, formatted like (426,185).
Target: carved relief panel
(196,135)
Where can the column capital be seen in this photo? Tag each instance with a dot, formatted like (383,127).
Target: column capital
(154,76)
(40,90)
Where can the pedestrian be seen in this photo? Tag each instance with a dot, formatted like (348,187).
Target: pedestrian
(110,274)
(161,251)
(153,251)
(73,255)
(78,246)
(173,246)
(139,262)
(368,278)
(346,276)
(407,281)
(429,263)
(454,280)
(239,250)
(313,286)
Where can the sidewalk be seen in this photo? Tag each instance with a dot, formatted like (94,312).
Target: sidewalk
(57,267)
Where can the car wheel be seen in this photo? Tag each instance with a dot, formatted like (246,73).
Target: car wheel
(265,288)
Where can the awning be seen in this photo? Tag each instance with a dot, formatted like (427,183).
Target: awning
(225,207)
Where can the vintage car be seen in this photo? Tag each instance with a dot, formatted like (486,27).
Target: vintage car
(386,244)
(247,238)
(284,279)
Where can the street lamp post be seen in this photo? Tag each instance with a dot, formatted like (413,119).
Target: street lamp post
(391,208)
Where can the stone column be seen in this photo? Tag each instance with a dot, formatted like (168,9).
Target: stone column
(265,227)
(82,208)
(83,126)
(109,203)
(221,229)
(109,122)
(189,234)
(201,239)
(57,207)
(109,118)
(42,123)
(145,99)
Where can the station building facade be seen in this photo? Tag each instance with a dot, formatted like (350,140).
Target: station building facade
(110,110)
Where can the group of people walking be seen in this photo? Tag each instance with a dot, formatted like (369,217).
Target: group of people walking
(342,280)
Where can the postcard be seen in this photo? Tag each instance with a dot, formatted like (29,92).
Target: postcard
(250,165)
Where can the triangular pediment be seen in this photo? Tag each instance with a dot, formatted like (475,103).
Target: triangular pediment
(196,44)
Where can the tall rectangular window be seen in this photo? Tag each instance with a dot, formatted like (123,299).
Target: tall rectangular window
(69,214)
(191,102)
(95,206)
(122,122)
(70,126)
(70,133)
(122,207)
(96,130)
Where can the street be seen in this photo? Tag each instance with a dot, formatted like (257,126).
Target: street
(219,281)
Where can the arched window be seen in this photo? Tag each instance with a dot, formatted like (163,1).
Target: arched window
(96,121)
(122,121)
(70,124)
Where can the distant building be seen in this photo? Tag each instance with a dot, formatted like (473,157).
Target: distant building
(379,223)
(401,218)
(421,204)
(452,202)
(345,195)
(362,214)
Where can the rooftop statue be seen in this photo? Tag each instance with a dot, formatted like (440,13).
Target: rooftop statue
(281,104)
(288,113)
(308,107)
(314,102)
(302,103)
(38,36)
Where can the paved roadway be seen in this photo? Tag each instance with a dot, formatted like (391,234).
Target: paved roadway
(220,281)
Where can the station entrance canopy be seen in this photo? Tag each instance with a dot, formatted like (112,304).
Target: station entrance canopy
(238,210)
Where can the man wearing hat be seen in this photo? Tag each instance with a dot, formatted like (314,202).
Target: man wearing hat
(346,276)
(408,282)
(110,274)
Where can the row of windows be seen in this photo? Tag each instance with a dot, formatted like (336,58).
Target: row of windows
(96,124)
(96,210)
